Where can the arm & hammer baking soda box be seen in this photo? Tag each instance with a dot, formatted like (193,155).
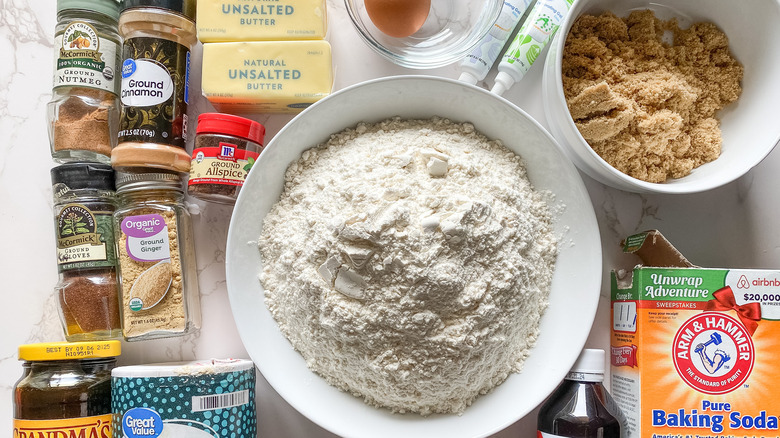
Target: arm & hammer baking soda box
(695,352)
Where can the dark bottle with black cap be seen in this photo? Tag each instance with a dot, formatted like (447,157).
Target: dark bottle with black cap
(84,203)
(581,407)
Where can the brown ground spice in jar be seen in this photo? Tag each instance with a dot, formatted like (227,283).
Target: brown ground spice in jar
(84,121)
(646,107)
(167,315)
(88,302)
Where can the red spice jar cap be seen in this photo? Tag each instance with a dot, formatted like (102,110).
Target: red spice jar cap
(228,124)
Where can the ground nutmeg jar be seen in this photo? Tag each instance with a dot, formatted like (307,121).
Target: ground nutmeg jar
(157,271)
(83,114)
(65,390)
(226,147)
(84,205)
(158,37)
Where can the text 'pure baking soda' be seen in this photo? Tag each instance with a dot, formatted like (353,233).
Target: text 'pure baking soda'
(694,350)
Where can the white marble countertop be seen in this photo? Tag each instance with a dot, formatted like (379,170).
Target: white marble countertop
(737,225)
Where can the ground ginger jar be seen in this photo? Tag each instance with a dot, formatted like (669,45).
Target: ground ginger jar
(157,272)
(65,390)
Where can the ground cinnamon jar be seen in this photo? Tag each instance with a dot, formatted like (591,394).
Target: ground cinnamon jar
(226,147)
(158,37)
(65,390)
(84,205)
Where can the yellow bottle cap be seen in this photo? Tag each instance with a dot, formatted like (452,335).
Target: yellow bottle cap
(69,350)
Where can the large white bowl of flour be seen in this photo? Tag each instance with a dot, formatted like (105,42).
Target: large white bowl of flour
(573,296)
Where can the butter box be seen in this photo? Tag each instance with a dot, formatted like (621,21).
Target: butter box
(694,351)
(266,76)
(258,20)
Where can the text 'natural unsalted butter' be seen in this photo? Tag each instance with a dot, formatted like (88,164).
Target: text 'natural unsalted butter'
(266,76)
(261,20)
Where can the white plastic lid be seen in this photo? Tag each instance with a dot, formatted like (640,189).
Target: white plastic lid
(502,83)
(468,78)
(193,368)
(591,361)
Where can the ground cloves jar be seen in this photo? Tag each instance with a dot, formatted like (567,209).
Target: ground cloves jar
(65,390)
(226,147)
(157,271)
(88,294)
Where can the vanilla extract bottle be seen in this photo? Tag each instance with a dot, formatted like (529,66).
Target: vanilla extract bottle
(581,407)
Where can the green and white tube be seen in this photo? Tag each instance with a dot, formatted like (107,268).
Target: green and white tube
(538,29)
(476,65)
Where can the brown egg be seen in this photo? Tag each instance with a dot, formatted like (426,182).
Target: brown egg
(398,18)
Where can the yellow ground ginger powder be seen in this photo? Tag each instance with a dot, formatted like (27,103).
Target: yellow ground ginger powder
(169,314)
(647,107)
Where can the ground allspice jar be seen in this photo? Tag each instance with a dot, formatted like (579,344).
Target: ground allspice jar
(158,37)
(83,114)
(226,147)
(65,390)
(158,276)
(84,205)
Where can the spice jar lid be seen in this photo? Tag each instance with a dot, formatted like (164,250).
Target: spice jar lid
(105,7)
(183,7)
(69,350)
(83,175)
(219,123)
(141,179)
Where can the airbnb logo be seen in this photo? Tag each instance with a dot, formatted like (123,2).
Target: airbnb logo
(743,283)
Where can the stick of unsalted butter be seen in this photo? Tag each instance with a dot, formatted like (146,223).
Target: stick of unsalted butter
(266,76)
(261,20)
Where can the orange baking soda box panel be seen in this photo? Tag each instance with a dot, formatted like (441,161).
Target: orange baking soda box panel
(695,352)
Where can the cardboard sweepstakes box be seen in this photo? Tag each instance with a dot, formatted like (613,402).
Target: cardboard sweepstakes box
(695,352)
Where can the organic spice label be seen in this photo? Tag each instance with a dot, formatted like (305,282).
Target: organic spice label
(226,164)
(147,238)
(85,59)
(85,238)
(155,92)
(98,426)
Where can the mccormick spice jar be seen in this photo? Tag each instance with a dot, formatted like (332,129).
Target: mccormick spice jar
(158,278)
(65,390)
(84,205)
(83,114)
(226,147)
(210,398)
(158,37)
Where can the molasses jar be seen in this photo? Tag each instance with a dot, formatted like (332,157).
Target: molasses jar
(65,389)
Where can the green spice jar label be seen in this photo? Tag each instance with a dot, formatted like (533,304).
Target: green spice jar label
(155,92)
(84,59)
(85,238)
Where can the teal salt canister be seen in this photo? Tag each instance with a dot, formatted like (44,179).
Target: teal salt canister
(201,399)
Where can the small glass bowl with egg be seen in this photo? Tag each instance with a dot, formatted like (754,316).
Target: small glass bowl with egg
(423,33)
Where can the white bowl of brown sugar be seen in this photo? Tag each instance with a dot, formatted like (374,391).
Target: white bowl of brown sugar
(665,96)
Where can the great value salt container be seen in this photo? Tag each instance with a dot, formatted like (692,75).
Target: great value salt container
(202,399)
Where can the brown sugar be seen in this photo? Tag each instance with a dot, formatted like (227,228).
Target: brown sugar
(646,107)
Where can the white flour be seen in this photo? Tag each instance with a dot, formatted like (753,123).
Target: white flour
(409,263)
